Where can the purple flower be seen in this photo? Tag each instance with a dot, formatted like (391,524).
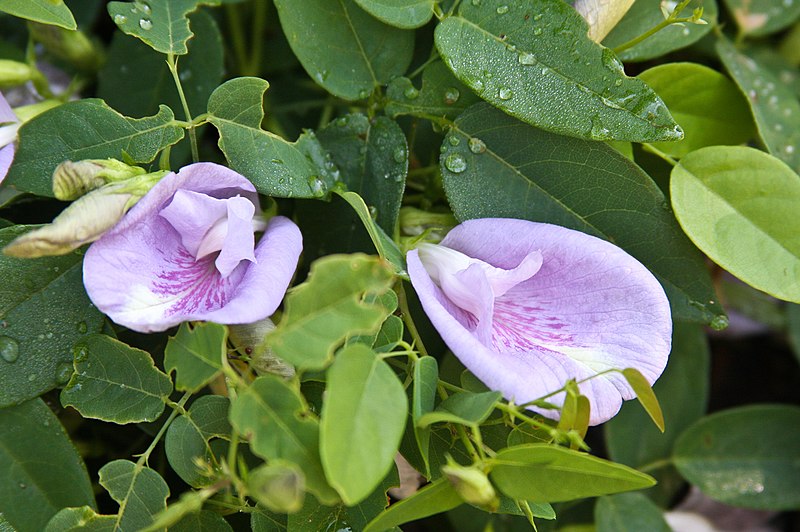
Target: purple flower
(187,251)
(527,306)
(9,124)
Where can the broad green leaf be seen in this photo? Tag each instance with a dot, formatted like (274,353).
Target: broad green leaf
(764,17)
(315,516)
(542,177)
(645,395)
(441,94)
(187,439)
(776,109)
(426,378)
(161,24)
(140,492)
(534,61)
(262,520)
(738,205)
(344,49)
(793,326)
(281,169)
(203,521)
(602,15)
(372,158)
(706,104)
(390,335)
(53,12)
(196,353)
(40,470)
(280,426)
(434,498)
(465,408)
(328,307)
(629,512)
(646,14)
(44,310)
(86,129)
(115,382)
(83,519)
(363,398)
(135,78)
(748,456)
(547,473)
(400,13)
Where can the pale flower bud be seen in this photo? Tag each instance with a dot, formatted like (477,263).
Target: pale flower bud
(472,485)
(250,339)
(72,180)
(278,486)
(15,73)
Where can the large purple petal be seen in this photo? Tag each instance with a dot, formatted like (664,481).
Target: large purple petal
(6,113)
(591,307)
(6,158)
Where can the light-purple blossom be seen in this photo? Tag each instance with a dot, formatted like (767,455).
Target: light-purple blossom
(187,251)
(527,306)
(9,124)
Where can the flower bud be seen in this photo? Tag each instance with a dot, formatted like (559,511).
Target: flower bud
(415,222)
(15,73)
(472,485)
(278,486)
(72,180)
(250,339)
(73,46)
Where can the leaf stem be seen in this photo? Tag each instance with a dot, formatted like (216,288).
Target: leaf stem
(671,19)
(237,36)
(408,320)
(145,456)
(655,151)
(257,41)
(655,465)
(172,63)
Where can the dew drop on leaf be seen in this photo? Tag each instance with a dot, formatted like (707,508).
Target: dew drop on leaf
(502,10)
(454,140)
(63,373)
(9,349)
(399,155)
(145,24)
(476,145)
(537,31)
(451,95)
(455,163)
(526,58)
(119,20)
(505,93)
(411,93)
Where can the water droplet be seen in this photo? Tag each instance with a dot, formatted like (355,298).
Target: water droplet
(451,95)
(185,75)
(787,111)
(82,328)
(476,145)
(455,163)
(505,93)
(81,354)
(476,2)
(477,85)
(63,373)
(22,485)
(537,16)
(611,62)
(773,100)
(598,130)
(119,19)
(502,10)
(317,185)
(719,322)
(144,7)
(31,377)
(399,154)
(778,127)
(9,349)
(363,93)
(276,161)
(145,23)
(686,32)
(527,58)
(411,93)
(537,31)
(618,82)
(373,212)
(789,149)
(454,140)
(321,76)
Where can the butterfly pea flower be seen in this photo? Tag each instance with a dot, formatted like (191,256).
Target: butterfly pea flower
(9,124)
(528,306)
(187,251)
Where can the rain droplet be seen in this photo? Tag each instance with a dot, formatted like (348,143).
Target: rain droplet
(788,149)
(527,58)
(276,161)
(317,186)
(476,145)
(399,155)
(9,349)
(145,23)
(81,354)
(686,32)
(321,76)
(455,163)
(537,31)
(63,373)
(477,85)
(618,82)
(411,93)
(476,2)
(363,93)
(505,93)
(31,377)
(537,16)
(373,212)
(454,140)
(719,322)
(451,95)
(611,62)
(82,328)
(598,130)
(787,111)
(502,10)
(119,19)
(341,121)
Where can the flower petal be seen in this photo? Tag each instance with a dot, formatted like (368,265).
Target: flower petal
(6,158)
(6,113)
(193,214)
(239,239)
(589,308)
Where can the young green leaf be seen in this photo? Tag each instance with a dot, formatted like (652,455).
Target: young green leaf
(400,13)
(738,204)
(82,518)
(196,353)
(438,496)
(140,492)
(644,393)
(53,12)
(522,57)
(464,408)
(764,17)
(426,378)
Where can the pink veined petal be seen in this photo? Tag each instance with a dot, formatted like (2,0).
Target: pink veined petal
(193,214)
(6,158)
(239,240)
(591,307)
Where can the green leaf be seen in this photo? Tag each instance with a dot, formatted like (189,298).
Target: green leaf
(329,306)
(390,335)
(763,17)
(748,456)
(645,395)
(43,312)
(40,470)
(343,48)
(464,408)
(644,15)
(187,439)
(400,13)
(262,520)
(441,95)
(161,24)
(775,107)
(86,129)
(706,104)
(53,12)
(434,498)
(140,492)
(372,158)
(363,398)
(793,326)
(538,176)
(83,519)
(629,512)
(236,109)
(738,203)
(115,382)
(280,426)
(522,57)
(426,379)
(196,353)
(135,78)
(547,473)
(203,521)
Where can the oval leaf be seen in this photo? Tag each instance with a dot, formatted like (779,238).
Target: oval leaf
(738,205)
(522,57)
(196,353)
(441,95)
(400,13)
(53,12)
(436,497)
(629,512)
(761,18)
(465,408)
(140,492)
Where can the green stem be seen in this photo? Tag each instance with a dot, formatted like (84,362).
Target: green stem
(408,320)
(655,151)
(671,19)
(175,412)
(655,465)
(257,42)
(172,63)
(237,36)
